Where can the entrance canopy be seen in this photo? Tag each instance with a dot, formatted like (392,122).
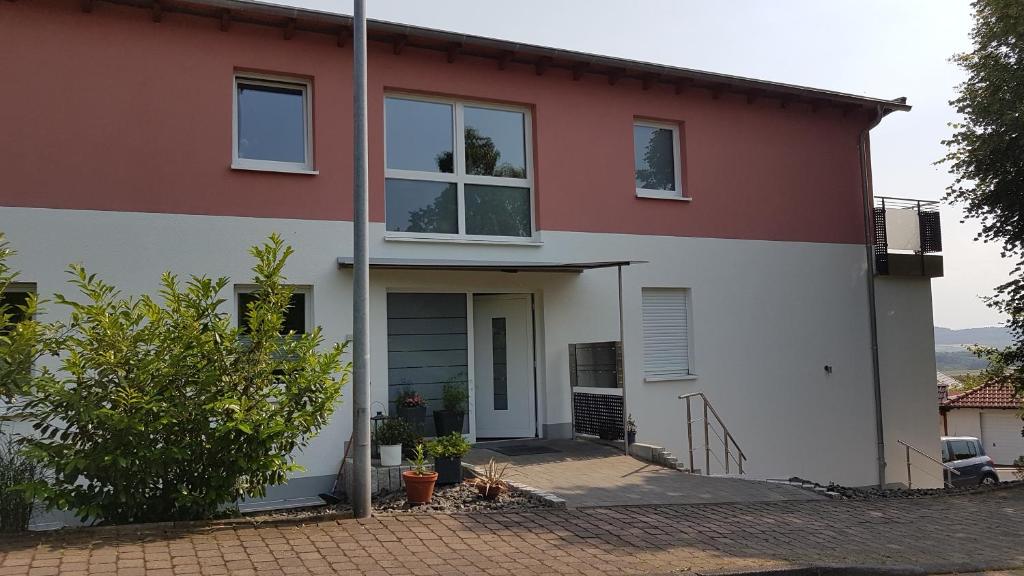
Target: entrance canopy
(484,265)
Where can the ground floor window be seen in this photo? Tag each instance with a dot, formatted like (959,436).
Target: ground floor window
(666,332)
(298,318)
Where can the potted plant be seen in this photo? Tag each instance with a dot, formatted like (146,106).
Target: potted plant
(419,482)
(448,452)
(390,435)
(490,482)
(630,430)
(455,399)
(412,408)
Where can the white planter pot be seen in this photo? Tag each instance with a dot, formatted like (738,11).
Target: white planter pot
(391,455)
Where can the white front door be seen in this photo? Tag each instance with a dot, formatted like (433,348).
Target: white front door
(503,366)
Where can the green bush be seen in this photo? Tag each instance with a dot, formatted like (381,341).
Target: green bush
(393,431)
(455,397)
(15,471)
(451,446)
(162,410)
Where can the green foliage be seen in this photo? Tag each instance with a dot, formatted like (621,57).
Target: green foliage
(450,446)
(161,410)
(22,337)
(455,396)
(15,471)
(419,460)
(985,154)
(393,431)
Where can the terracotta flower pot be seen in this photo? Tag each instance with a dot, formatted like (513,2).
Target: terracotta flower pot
(419,489)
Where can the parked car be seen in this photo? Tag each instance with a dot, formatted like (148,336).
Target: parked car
(967,456)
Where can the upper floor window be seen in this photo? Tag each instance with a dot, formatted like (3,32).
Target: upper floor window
(272,124)
(457,169)
(656,156)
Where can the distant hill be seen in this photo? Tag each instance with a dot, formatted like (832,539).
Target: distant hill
(951,353)
(997,336)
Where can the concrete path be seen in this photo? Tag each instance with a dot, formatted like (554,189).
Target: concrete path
(970,533)
(591,474)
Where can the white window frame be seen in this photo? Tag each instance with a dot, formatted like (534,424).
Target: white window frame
(305,290)
(691,373)
(677,157)
(239,163)
(459,176)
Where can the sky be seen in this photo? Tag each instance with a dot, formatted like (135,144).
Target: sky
(881,48)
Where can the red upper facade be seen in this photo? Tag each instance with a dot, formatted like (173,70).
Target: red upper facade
(108,110)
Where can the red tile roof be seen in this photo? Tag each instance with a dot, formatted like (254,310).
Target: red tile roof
(991,395)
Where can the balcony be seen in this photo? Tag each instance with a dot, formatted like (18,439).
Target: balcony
(908,236)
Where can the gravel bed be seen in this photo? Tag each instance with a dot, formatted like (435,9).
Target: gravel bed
(846,493)
(446,500)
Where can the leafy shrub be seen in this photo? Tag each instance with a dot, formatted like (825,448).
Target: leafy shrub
(15,471)
(451,446)
(393,431)
(455,397)
(161,410)
(21,335)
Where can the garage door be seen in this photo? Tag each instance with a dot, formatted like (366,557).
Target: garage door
(1000,431)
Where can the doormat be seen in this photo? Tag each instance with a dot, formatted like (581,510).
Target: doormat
(523,449)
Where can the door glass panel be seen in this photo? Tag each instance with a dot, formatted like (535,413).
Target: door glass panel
(419,135)
(421,206)
(495,142)
(498,211)
(499,356)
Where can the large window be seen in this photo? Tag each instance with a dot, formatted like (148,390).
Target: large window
(657,160)
(272,125)
(457,169)
(666,331)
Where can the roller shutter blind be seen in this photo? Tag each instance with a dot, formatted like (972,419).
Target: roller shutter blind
(666,325)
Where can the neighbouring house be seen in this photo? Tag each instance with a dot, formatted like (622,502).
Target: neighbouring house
(523,199)
(944,382)
(992,413)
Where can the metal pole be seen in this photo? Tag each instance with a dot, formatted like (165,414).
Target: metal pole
(707,446)
(909,485)
(726,452)
(689,432)
(360,497)
(622,349)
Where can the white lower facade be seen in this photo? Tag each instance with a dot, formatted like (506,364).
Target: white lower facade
(765,319)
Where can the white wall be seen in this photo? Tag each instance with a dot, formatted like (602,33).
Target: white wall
(767,317)
(906,342)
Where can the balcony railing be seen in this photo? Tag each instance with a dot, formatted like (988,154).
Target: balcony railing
(908,234)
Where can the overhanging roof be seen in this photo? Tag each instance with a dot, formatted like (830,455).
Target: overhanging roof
(291,19)
(485,266)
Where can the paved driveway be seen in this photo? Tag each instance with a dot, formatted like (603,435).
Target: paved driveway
(934,534)
(591,474)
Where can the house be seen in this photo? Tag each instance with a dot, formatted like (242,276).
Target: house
(522,199)
(944,382)
(992,413)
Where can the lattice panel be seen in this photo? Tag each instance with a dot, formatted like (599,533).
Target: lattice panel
(597,415)
(931,232)
(881,243)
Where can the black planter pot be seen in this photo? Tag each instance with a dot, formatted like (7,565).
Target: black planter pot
(446,422)
(416,417)
(631,437)
(449,470)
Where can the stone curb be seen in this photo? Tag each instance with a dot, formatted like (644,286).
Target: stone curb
(809,486)
(546,498)
(861,570)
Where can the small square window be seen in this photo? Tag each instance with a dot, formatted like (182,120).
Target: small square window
(297,318)
(272,125)
(14,298)
(657,160)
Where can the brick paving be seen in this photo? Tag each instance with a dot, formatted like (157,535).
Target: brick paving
(939,534)
(591,474)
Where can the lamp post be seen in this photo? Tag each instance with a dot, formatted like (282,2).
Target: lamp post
(360,497)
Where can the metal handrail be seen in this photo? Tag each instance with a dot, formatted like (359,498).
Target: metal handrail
(739,457)
(942,464)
